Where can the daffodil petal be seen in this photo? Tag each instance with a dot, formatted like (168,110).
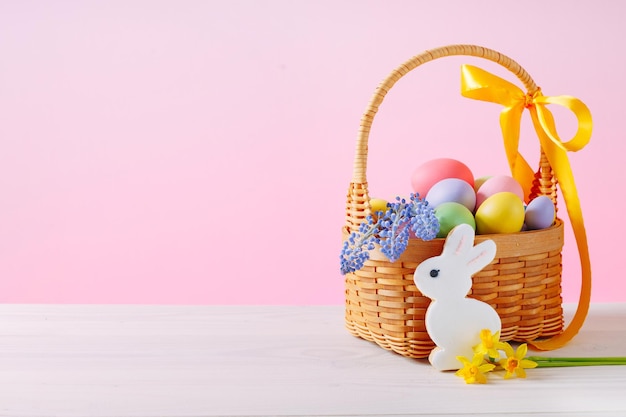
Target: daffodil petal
(487,367)
(528,364)
(508,349)
(477,360)
(485,335)
(479,349)
(501,345)
(521,351)
(463,360)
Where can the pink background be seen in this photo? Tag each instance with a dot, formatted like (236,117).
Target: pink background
(199,152)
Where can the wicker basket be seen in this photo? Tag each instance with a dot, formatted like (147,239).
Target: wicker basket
(523,283)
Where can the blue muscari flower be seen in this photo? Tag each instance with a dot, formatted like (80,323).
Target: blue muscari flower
(395,235)
(391,231)
(355,251)
(423,221)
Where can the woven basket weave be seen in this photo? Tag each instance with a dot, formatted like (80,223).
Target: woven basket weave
(523,283)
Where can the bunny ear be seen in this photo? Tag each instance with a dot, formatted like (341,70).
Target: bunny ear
(480,256)
(460,240)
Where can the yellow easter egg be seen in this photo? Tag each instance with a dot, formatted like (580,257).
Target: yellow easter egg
(378,204)
(501,213)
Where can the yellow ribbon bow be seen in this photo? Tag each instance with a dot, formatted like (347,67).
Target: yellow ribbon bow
(479,84)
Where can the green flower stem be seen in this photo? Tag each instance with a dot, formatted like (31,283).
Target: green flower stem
(543,362)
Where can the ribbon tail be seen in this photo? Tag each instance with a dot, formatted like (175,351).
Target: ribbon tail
(557,157)
(479,84)
(510,120)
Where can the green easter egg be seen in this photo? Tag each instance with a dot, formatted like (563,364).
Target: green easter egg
(452,214)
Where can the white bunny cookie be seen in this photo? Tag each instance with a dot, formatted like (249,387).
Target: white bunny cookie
(453,320)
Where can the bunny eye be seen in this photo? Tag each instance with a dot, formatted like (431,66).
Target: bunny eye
(434,273)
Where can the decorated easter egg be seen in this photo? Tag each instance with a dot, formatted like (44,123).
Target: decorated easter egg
(540,213)
(452,190)
(452,214)
(435,170)
(498,184)
(501,213)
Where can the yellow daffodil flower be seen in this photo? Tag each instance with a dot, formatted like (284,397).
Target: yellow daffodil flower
(489,344)
(474,372)
(515,363)
(487,352)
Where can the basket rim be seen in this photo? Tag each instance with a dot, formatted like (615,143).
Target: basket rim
(508,245)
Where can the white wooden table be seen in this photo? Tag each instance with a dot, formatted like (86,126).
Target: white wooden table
(226,360)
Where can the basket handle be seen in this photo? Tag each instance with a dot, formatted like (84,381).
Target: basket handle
(358,200)
(358,206)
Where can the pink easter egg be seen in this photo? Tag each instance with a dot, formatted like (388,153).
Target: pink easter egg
(435,170)
(498,184)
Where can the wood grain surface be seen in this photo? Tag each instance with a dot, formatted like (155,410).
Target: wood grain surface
(144,361)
